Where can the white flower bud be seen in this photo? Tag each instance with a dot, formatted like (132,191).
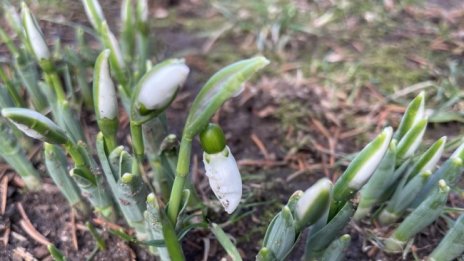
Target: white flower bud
(368,167)
(94,12)
(107,99)
(159,88)
(315,200)
(34,35)
(224,178)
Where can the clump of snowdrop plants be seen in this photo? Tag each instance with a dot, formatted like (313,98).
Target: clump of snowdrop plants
(387,180)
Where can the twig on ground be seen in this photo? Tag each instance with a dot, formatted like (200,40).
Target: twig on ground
(27,226)
(4,192)
(73,230)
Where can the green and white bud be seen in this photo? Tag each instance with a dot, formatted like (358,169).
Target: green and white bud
(110,42)
(94,13)
(411,140)
(157,89)
(12,17)
(35,125)
(414,113)
(360,170)
(313,204)
(429,159)
(105,99)
(34,35)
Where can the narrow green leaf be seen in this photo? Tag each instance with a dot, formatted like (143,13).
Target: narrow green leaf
(219,88)
(451,245)
(35,125)
(224,240)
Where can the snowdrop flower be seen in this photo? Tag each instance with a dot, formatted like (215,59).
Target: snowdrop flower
(94,13)
(34,35)
(104,92)
(156,90)
(313,203)
(221,168)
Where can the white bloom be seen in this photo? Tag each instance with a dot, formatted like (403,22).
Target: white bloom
(107,100)
(224,178)
(158,88)
(371,165)
(35,36)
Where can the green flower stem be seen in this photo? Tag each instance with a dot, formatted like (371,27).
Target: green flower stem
(142,52)
(52,78)
(137,141)
(76,155)
(183,165)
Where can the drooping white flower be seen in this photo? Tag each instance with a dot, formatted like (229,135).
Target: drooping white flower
(158,88)
(224,178)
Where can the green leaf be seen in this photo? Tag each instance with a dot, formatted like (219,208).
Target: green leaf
(219,88)
(35,125)
(451,245)
(281,233)
(224,240)
(335,251)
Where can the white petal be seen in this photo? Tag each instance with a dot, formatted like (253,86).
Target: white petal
(158,89)
(224,178)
